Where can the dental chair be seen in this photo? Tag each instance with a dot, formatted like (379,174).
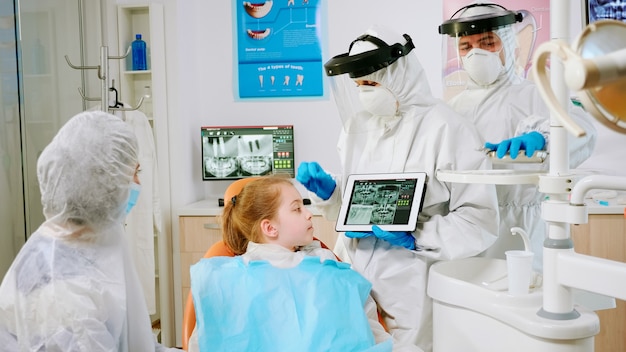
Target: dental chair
(217,249)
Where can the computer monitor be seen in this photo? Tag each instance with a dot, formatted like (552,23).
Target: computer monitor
(595,10)
(234,152)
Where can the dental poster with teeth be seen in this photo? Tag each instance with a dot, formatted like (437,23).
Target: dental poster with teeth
(279,48)
(531,32)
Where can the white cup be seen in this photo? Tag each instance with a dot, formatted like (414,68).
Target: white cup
(520,268)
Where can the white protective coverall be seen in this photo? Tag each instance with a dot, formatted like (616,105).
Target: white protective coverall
(144,222)
(509,107)
(73,285)
(281,257)
(456,221)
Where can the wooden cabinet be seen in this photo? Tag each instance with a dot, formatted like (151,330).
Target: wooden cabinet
(604,236)
(198,233)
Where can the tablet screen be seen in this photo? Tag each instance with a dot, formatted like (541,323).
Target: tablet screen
(391,201)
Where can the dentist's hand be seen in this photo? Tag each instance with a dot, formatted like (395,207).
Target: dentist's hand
(531,142)
(315,179)
(353,234)
(398,238)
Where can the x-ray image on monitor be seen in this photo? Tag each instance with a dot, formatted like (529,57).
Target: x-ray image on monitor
(235,152)
(255,155)
(220,158)
(596,10)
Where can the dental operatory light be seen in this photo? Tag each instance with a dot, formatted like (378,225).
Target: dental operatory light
(479,23)
(594,68)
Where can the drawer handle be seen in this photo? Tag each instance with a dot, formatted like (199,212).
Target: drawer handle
(212,226)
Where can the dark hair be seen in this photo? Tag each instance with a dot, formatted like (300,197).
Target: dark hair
(242,215)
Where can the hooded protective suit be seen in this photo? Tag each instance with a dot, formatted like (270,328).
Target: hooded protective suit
(509,107)
(457,220)
(73,285)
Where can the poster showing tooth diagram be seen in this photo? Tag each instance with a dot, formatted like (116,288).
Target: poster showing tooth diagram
(279,48)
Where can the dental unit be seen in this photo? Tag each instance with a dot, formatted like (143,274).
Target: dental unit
(466,304)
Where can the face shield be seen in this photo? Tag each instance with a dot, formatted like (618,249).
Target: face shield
(481,45)
(369,58)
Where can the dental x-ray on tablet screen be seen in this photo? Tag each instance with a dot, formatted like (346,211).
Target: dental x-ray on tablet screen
(392,201)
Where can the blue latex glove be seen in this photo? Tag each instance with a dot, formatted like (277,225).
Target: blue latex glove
(352,234)
(315,179)
(530,142)
(398,238)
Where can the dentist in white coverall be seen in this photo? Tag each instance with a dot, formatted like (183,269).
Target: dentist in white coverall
(510,115)
(401,127)
(73,285)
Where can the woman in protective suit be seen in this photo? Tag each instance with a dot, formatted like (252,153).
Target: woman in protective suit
(396,125)
(510,114)
(73,285)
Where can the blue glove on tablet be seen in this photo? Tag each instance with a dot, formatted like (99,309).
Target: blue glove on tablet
(531,142)
(398,238)
(353,234)
(315,179)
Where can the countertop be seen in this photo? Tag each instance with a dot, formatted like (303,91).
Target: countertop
(606,202)
(205,207)
(210,207)
(597,202)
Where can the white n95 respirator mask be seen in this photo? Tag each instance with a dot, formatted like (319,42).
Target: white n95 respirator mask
(378,100)
(483,66)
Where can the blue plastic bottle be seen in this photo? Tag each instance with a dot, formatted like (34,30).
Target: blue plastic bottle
(139,54)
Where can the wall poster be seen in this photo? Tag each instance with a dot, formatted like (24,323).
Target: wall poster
(279,48)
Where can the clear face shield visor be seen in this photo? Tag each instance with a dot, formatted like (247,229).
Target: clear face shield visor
(346,69)
(476,26)
(479,18)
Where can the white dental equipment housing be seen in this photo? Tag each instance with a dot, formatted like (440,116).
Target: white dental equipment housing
(596,68)
(481,319)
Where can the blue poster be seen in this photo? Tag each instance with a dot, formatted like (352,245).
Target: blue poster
(279,48)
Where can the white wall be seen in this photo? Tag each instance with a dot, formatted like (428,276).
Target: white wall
(206,93)
(199,41)
(204,52)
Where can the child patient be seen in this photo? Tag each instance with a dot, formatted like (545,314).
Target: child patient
(283,291)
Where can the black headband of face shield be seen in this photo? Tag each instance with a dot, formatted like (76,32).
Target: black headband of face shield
(370,61)
(458,27)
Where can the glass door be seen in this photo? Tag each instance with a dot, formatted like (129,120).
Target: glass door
(12,210)
(39,92)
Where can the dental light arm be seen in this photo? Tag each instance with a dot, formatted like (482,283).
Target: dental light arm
(588,73)
(561,49)
(595,68)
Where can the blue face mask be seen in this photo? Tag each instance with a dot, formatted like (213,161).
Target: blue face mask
(133,196)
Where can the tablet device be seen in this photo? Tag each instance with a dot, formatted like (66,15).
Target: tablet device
(391,201)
